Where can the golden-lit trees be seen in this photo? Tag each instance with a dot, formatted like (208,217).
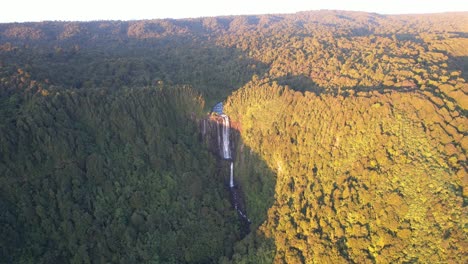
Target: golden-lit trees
(353,142)
(361,179)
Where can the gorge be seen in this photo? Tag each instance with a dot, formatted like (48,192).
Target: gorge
(342,137)
(225,149)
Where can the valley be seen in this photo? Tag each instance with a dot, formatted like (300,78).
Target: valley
(314,137)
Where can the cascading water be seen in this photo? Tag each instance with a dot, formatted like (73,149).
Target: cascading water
(223,128)
(224,145)
(231,175)
(204,127)
(226,150)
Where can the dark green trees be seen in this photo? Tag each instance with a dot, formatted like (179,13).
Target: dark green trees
(111,176)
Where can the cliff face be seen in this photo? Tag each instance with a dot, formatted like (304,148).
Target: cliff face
(211,133)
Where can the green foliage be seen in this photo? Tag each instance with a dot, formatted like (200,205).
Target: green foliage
(358,179)
(105,175)
(353,139)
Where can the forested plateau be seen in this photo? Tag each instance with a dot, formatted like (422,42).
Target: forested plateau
(350,133)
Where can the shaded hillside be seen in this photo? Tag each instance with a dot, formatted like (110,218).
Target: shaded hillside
(116,54)
(116,176)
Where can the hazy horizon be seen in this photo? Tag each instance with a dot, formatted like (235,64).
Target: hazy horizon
(88,10)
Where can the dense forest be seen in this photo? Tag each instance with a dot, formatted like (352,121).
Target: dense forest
(350,133)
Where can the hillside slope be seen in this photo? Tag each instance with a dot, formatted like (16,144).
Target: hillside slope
(359,179)
(105,175)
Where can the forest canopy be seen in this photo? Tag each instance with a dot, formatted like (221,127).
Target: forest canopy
(350,131)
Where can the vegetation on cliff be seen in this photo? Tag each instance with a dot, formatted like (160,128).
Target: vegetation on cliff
(102,175)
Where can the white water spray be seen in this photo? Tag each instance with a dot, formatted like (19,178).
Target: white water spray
(204,128)
(226,148)
(231,178)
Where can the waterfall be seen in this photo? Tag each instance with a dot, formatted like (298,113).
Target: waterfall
(225,142)
(231,175)
(220,141)
(204,127)
(224,146)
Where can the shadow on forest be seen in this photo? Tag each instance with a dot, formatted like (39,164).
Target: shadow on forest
(133,161)
(300,83)
(254,181)
(303,83)
(124,147)
(459,34)
(254,184)
(117,55)
(460,63)
(139,54)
